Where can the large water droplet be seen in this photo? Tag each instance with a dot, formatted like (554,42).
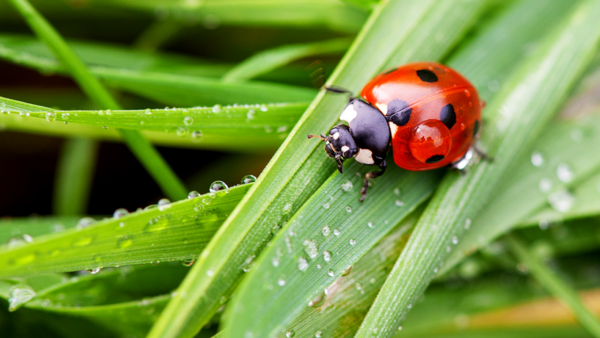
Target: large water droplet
(164,204)
(302,264)
(318,300)
(193,194)
(65,116)
(248,179)
(50,117)
(326,256)
(85,222)
(19,295)
(348,209)
(336,232)
(197,135)
(537,159)
(216,108)
(218,186)
(564,173)
(121,212)
(281,282)
(188,120)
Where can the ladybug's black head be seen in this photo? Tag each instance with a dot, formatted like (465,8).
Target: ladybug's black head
(339,145)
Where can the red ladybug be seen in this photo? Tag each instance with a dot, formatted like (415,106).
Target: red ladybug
(428,112)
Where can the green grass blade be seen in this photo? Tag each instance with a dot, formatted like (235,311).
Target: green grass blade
(251,128)
(177,231)
(268,60)
(526,188)
(298,169)
(142,148)
(535,91)
(556,286)
(34,226)
(158,34)
(74,176)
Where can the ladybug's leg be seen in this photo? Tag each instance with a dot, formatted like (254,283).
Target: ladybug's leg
(370,175)
(482,153)
(340,90)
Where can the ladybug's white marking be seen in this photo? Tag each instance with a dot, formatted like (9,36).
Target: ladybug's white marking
(382,107)
(345,149)
(349,113)
(365,156)
(336,136)
(463,162)
(393,128)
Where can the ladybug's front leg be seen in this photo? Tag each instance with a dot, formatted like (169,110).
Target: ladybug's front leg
(370,175)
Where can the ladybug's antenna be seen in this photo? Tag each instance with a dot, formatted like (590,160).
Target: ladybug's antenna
(322,137)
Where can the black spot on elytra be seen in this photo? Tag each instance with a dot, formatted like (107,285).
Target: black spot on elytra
(448,116)
(476,128)
(398,112)
(426,75)
(435,159)
(390,71)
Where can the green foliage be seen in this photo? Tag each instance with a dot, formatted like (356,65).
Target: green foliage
(295,254)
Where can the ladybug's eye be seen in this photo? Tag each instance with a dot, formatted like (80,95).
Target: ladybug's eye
(430,141)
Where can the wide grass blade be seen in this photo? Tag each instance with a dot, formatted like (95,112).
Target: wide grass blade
(517,116)
(555,285)
(268,60)
(34,226)
(300,167)
(167,232)
(251,128)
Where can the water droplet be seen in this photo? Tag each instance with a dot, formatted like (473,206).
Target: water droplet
(197,135)
(318,300)
(94,271)
(248,179)
(193,194)
(281,282)
(537,159)
(564,173)
(216,108)
(50,117)
(218,186)
(375,331)
(336,232)
(188,120)
(326,230)
(64,116)
(561,201)
(19,240)
(399,203)
(85,222)
(346,186)
(310,247)
(330,273)
(409,306)
(124,242)
(248,263)
(250,114)
(318,334)
(454,240)
(326,205)
(370,224)
(164,204)
(493,85)
(287,208)
(210,273)
(326,256)
(545,185)
(121,212)
(148,112)
(302,264)
(282,129)
(467,224)
(263,107)
(543,224)
(352,242)
(19,295)
(181,131)
(397,192)
(275,261)
(347,271)
(188,262)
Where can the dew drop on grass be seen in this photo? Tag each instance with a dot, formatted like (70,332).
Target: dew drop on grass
(326,205)
(326,230)
(287,208)
(50,117)
(216,108)
(281,282)
(564,173)
(124,242)
(164,204)
(348,209)
(121,212)
(318,300)
(193,194)
(370,224)
(326,256)
(250,114)
(19,295)
(330,273)
(148,112)
(352,242)
(19,240)
(310,247)
(543,224)
(188,120)
(347,271)
(399,203)
(65,116)
(561,201)
(94,271)
(263,108)
(545,185)
(467,224)
(397,191)
(218,186)
(181,131)
(537,159)
(197,135)
(85,222)
(275,262)
(346,186)
(248,179)
(336,232)
(318,334)
(302,264)
(454,240)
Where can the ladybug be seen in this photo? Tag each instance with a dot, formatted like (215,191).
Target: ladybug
(427,112)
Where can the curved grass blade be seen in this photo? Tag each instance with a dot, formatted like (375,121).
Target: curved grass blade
(34,226)
(149,157)
(535,91)
(249,127)
(171,232)
(542,176)
(299,168)
(268,60)
(331,14)
(74,176)
(556,286)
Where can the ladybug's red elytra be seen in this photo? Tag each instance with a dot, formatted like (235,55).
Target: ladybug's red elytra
(427,112)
